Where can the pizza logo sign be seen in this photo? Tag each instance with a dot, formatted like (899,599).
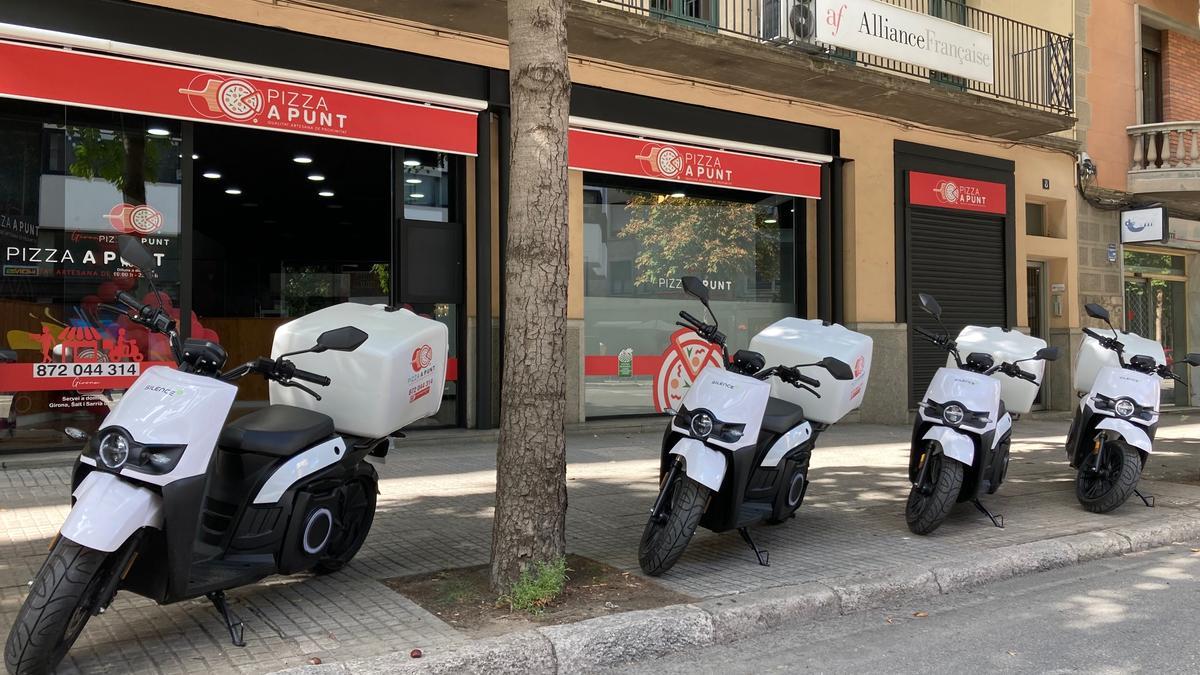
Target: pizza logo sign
(274,105)
(860,365)
(949,192)
(421,358)
(135,219)
(687,354)
(687,164)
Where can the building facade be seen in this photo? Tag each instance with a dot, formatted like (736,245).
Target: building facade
(1139,103)
(279,158)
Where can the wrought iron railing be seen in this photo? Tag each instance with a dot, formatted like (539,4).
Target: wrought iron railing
(1165,145)
(1031,66)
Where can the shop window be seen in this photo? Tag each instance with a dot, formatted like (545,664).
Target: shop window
(744,246)
(1045,218)
(71,180)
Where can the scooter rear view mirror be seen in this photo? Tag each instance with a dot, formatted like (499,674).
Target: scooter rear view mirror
(1096,312)
(344,339)
(696,288)
(134,253)
(838,368)
(1192,359)
(930,305)
(1047,354)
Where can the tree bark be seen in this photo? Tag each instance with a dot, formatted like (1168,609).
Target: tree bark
(531,489)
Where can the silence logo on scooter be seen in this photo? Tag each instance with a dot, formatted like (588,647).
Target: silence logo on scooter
(686,355)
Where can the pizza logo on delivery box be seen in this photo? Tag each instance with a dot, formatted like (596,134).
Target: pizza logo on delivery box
(421,358)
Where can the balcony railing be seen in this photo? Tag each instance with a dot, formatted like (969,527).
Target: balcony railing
(1165,145)
(1032,66)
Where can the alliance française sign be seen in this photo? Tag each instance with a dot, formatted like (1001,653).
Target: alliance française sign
(904,35)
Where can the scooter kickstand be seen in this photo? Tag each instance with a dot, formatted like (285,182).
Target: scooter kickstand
(997,520)
(1148,500)
(234,624)
(763,556)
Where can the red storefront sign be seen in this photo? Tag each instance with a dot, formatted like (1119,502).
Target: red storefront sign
(99,81)
(640,158)
(951,192)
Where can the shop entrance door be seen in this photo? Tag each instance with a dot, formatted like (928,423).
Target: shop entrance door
(1035,289)
(1156,308)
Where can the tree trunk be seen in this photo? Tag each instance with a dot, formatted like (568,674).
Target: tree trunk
(531,489)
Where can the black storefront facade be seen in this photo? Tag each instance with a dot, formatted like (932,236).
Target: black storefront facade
(250,234)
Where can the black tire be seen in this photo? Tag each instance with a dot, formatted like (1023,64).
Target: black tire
(353,523)
(930,503)
(1105,490)
(64,595)
(664,540)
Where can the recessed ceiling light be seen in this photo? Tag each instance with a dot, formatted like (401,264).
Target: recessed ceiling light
(158,131)
(316,177)
(413,181)
(325,193)
(417,195)
(232,191)
(678,195)
(412,162)
(211,174)
(195,156)
(302,159)
(770,221)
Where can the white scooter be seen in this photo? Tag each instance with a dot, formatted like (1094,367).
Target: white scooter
(171,503)
(733,456)
(962,432)
(1112,433)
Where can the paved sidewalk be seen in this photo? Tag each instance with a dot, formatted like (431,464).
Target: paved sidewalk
(435,512)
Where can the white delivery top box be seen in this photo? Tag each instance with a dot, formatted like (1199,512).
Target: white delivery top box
(1005,345)
(1092,357)
(393,379)
(792,341)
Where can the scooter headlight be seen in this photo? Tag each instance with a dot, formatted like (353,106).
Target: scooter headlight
(702,424)
(113,450)
(1124,407)
(953,414)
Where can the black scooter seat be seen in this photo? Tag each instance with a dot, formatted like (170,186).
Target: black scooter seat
(781,416)
(277,430)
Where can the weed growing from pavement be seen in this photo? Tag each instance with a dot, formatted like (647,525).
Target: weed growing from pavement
(537,587)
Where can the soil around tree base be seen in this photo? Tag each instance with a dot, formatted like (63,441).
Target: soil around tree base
(461,597)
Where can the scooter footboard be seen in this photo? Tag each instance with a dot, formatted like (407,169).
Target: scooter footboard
(109,510)
(701,463)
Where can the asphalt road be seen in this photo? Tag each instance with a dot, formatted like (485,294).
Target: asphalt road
(1132,614)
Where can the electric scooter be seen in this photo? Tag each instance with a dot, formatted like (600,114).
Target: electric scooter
(170,503)
(962,431)
(1112,433)
(732,456)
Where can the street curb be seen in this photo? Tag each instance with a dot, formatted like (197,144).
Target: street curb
(609,641)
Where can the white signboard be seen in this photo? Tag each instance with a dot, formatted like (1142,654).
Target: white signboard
(904,35)
(1144,225)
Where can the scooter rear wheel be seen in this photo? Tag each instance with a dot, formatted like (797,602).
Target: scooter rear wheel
(930,503)
(666,536)
(64,595)
(1103,490)
(355,521)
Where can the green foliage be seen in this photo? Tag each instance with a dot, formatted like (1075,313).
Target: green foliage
(382,274)
(700,236)
(537,587)
(102,154)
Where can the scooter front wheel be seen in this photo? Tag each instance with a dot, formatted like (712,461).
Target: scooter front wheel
(1103,489)
(930,501)
(668,533)
(64,595)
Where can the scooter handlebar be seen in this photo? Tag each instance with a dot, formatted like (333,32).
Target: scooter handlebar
(311,377)
(128,300)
